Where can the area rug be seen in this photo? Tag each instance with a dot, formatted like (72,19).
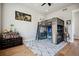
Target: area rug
(44,47)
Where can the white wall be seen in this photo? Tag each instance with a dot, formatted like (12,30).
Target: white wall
(26,29)
(0,17)
(65,15)
(76,19)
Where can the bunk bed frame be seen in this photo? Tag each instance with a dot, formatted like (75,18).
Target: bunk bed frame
(56,31)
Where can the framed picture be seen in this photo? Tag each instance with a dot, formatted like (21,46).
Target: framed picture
(68,22)
(22,16)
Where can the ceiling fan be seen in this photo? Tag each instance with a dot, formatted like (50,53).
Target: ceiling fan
(49,4)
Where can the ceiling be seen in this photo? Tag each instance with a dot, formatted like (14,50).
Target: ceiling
(46,9)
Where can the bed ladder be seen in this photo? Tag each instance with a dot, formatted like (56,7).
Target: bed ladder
(37,31)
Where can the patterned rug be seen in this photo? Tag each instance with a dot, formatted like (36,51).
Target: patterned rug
(44,47)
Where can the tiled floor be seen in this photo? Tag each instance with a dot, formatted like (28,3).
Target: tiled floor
(44,47)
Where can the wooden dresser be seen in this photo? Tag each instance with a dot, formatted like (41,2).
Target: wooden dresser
(10,39)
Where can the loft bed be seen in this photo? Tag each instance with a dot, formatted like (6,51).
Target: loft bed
(51,29)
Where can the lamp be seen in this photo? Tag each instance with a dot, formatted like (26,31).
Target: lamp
(11,29)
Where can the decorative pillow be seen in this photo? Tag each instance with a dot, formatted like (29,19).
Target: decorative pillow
(10,35)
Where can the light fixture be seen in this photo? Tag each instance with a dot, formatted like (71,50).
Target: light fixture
(64,9)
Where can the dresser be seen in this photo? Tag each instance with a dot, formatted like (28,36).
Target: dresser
(10,39)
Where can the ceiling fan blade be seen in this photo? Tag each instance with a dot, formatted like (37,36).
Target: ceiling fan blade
(49,4)
(43,4)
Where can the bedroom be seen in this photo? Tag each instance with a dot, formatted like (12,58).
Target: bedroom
(27,29)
